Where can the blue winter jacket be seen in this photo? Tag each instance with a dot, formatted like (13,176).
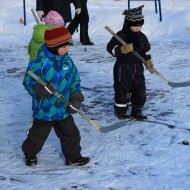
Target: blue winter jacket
(62,73)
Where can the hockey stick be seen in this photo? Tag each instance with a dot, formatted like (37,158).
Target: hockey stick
(35,17)
(172,84)
(33,75)
(106,129)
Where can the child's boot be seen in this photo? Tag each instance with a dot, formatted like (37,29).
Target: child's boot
(121,112)
(136,112)
(80,161)
(30,159)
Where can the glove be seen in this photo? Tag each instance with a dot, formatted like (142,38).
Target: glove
(150,66)
(40,14)
(78,11)
(41,91)
(127,48)
(75,99)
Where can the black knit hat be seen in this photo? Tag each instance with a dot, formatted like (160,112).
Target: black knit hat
(133,17)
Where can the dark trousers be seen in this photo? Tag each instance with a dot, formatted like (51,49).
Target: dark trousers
(65,130)
(129,85)
(82,19)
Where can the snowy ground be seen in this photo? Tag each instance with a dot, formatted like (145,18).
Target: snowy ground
(138,156)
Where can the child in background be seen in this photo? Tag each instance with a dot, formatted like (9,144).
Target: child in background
(129,80)
(37,40)
(56,68)
(188,29)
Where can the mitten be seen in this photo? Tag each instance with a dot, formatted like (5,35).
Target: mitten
(75,99)
(40,14)
(78,11)
(41,91)
(127,48)
(150,66)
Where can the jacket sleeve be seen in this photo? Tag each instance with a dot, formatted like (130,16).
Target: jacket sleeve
(28,81)
(114,46)
(29,47)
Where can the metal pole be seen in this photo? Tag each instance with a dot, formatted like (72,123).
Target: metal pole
(160,10)
(128,4)
(24,8)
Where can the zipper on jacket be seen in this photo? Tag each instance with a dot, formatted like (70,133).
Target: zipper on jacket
(40,102)
(135,68)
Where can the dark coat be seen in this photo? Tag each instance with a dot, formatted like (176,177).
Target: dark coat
(140,43)
(61,6)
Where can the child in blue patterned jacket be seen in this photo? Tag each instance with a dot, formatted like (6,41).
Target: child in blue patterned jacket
(56,68)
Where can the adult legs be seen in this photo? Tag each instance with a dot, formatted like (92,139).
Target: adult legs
(83,20)
(74,24)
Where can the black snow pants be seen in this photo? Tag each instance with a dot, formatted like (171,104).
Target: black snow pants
(65,130)
(129,85)
(82,19)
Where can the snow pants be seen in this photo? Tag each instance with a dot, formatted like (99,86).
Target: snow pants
(129,85)
(65,130)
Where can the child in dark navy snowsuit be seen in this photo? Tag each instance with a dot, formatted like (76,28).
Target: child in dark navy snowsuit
(56,68)
(129,80)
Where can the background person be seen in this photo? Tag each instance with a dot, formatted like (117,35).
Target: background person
(82,19)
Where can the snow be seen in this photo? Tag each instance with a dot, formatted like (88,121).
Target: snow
(138,156)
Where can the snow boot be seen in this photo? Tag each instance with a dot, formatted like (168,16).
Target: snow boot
(121,112)
(30,159)
(80,161)
(121,115)
(136,112)
(88,43)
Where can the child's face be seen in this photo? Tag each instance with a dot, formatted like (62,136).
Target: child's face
(135,28)
(63,50)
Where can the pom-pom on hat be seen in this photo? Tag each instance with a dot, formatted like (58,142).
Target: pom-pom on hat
(133,17)
(57,37)
(53,17)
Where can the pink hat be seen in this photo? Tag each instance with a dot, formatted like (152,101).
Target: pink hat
(53,17)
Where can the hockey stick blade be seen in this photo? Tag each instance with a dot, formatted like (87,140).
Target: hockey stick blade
(125,122)
(113,126)
(179,84)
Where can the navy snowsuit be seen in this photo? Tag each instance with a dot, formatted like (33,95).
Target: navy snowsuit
(129,80)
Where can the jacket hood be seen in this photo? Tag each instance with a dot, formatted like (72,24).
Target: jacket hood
(38,32)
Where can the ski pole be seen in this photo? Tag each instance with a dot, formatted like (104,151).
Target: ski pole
(39,80)
(172,84)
